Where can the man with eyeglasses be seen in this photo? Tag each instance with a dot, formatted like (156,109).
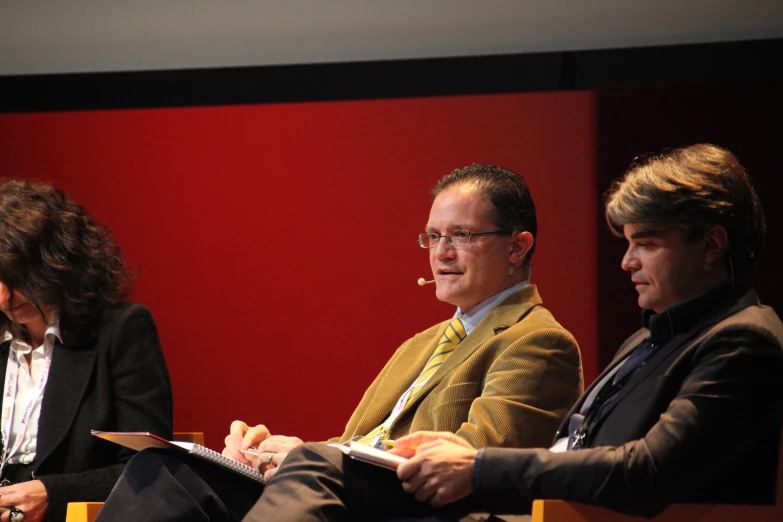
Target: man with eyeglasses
(689,411)
(501,372)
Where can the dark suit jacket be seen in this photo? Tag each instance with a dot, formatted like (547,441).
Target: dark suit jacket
(509,383)
(700,421)
(112,377)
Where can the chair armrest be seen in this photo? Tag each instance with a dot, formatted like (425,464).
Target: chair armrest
(189,436)
(561,511)
(82,511)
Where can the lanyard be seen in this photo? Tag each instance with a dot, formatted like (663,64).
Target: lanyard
(403,401)
(581,437)
(382,432)
(9,399)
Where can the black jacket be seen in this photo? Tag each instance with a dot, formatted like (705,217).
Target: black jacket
(111,377)
(699,422)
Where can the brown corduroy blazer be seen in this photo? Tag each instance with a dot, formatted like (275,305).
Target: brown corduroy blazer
(509,383)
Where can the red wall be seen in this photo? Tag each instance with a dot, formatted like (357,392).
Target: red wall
(275,240)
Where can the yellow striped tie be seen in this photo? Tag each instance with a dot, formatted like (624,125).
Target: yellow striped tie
(455,333)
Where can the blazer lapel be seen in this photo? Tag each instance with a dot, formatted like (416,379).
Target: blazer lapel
(398,378)
(676,342)
(69,376)
(625,348)
(505,315)
(5,347)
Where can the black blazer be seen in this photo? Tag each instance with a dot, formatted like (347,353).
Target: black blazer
(699,422)
(112,377)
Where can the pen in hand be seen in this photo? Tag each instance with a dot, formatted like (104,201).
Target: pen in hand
(389,444)
(249,451)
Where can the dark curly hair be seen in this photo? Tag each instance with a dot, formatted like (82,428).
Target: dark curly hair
(55,254)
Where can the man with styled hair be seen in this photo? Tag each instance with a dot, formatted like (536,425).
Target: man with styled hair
(690,409)
(501,372)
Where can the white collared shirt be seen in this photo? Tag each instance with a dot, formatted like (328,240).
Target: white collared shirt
(477,314)
(27,387)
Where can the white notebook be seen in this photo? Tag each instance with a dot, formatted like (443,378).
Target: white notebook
(139,440)
(370,455)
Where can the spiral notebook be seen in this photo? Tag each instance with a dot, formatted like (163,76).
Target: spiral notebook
(139,440)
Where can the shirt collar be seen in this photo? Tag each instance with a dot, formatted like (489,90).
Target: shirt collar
(53,328)
(682,316)
(477,314)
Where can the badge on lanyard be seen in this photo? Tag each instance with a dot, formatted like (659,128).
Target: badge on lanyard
(9,399)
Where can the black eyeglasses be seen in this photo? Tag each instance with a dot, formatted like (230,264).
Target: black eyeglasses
(456,238)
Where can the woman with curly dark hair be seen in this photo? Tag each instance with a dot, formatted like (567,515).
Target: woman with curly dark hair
(74,355)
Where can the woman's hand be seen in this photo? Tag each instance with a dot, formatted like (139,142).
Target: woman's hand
(30,497)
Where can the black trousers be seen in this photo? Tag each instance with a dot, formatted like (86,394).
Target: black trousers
(163,486)
(319,483)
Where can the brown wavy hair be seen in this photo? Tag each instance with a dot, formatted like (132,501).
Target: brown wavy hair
(693,188)
(55,254)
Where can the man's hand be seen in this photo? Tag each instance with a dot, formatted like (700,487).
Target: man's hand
(30,497)
(242,437)
(273,451)
(439,467)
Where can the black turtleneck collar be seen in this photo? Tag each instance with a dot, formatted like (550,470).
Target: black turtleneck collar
(682,316)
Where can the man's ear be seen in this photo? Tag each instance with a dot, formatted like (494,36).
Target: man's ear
(521,243)
(716,244)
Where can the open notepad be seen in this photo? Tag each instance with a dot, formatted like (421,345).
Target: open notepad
(370,455)
(140,440)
